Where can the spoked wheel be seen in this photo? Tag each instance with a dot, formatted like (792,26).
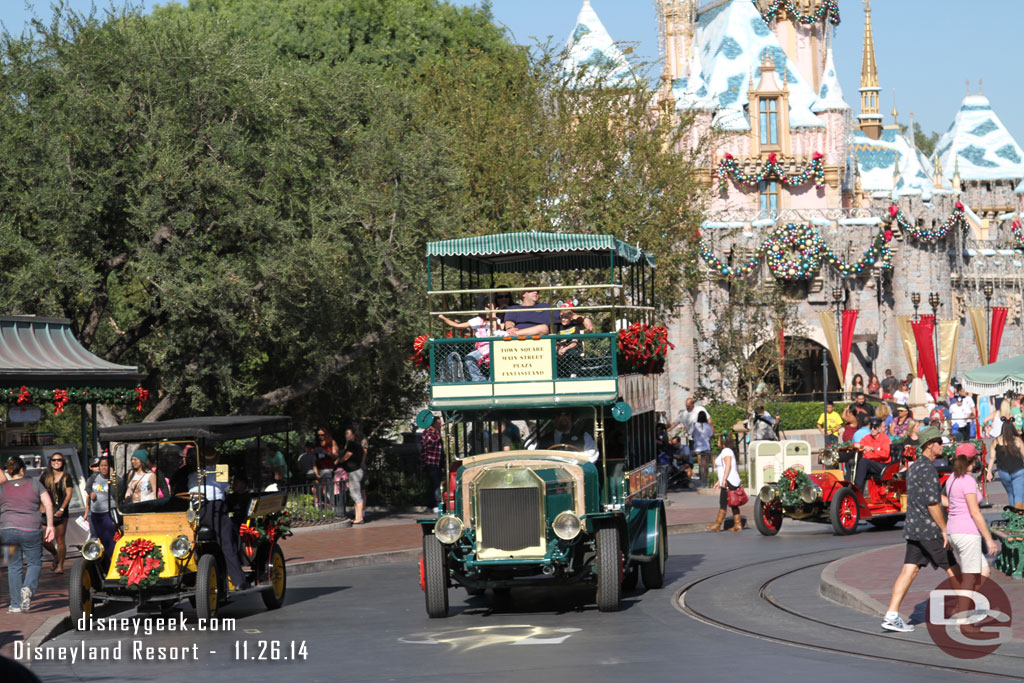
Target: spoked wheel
(435,577)
(844,513)
(654,571)
(277,577)
(207,588)
(609,569)
(80,591)
(767,518)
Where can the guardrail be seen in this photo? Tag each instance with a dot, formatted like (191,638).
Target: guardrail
(320,502)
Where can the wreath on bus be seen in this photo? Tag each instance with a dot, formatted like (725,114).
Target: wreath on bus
(139,563)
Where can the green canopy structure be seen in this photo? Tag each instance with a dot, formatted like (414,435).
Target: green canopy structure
(996,378)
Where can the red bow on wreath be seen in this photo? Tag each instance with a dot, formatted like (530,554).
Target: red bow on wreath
(135,564)
(24,397)
(791,474)
(142,395)
(60,399)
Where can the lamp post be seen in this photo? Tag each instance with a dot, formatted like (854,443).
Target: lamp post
(915,299)
(987,291)
(933,301)
(837,301)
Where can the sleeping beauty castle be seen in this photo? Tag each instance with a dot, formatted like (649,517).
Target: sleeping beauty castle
(891,258)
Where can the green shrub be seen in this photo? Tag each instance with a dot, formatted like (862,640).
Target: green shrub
(792,414)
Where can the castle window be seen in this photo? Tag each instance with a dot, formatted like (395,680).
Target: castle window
(768,191)
(769,113)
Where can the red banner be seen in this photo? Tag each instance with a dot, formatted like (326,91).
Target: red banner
(849,323)
(929,322)
(923,331)
(996,336)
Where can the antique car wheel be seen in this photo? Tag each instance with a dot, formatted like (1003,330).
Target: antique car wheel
(609,569)
(844,512)
(883,522)
(654,571)
(207,589)
(630,578)
(80,591)
(277,577)
(435,577)
(767,518)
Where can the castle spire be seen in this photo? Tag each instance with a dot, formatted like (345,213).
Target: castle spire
(870,119)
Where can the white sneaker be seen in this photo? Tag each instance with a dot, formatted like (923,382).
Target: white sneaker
(896,624)
(14,609)
(26,598)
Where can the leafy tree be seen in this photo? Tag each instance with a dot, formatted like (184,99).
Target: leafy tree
(923,141)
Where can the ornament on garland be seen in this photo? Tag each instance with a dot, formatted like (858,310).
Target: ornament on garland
(956,219)
(642,348)
(729,168)
(827,9)
(1018,234)
(790,484)
(139,563)
(76,395)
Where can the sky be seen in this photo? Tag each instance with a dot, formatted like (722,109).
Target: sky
(926,49)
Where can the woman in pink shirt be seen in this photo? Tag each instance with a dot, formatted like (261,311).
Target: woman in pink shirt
(966,527)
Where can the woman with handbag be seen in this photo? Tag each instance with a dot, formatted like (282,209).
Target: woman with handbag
(731,492)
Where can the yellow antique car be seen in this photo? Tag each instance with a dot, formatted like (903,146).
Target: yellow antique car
(206,527)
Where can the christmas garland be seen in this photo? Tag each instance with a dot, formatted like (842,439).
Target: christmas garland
(956,219)
(24,395)
(1018,235)
(828,8)
(796,251)
(642,348)
(730,168)
(139,563)
(790,484)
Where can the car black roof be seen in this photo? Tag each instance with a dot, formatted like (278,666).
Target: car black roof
(209,428)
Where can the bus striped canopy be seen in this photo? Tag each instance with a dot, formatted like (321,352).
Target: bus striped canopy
(521,251)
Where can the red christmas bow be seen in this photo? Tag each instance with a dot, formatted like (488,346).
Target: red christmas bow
(959,206)
(791,474)
(419,347)
(893,211)
(773,158)
(134,564)
(24,396)
(142,395)
(60,399)
(248,534)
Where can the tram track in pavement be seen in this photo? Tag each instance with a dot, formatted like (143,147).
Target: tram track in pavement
(916,653)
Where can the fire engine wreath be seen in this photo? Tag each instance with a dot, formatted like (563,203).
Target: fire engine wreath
(139,563)
(790,484)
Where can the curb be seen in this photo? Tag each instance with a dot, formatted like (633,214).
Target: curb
(846,595)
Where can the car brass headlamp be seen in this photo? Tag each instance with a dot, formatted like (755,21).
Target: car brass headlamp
(810,493)
(181,547)
(92,550)
(767,494)
(449,529)
(567,525)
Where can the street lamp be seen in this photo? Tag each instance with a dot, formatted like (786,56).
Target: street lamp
(987,291)
(933,301)
(915,299)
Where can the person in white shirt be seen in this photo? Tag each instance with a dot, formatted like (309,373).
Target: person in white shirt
(565,432)
(686,419)
(960,415)
(728,480)
(902,395)
(482,328)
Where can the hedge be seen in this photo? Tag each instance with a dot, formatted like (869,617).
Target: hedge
(793,415)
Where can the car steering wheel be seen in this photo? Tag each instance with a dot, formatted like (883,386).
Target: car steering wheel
(564,447)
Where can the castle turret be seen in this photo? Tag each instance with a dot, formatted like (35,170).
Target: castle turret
(870,118)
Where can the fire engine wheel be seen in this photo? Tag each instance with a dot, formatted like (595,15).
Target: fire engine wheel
(767,518)
(609,569)
(844,512)
(653,572)
(435,577)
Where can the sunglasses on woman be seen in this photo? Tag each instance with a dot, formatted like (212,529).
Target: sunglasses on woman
(56,460)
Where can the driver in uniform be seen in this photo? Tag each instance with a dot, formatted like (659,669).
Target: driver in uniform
(565,433)
(214,514)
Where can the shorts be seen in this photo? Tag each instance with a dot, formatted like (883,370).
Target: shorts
(967,550)
(929,551)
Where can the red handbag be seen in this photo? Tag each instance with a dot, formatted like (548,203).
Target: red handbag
(737,497)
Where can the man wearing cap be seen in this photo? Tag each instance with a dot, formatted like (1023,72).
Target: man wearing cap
(874,455)
(924,529)
(523,319)
(214,514)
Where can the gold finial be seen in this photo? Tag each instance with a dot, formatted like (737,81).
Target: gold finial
(895,112)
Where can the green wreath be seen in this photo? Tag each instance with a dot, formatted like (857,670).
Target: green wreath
(139,563)
(790,484)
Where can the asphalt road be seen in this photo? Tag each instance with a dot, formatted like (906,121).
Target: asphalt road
(369,624)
